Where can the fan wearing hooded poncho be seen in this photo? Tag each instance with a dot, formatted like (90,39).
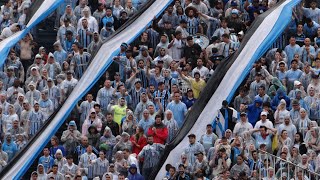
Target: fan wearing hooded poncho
(277,98)
(69,14)
(133,173)
(107,142)
(33,94)
(313,104)
(92,22)
(71,137)
(276,84)
(280,113)
(37,63)
(146,121)
(93,135)
(53,68)
(34,77)
(288,126)
(163,44)
(25,115)
(123,144)
(59,160)
(53,93)
(18,104)
(42,175)
(8,121)
(91,120)
(171,124)
(130,123)
(59,54)
(254,111)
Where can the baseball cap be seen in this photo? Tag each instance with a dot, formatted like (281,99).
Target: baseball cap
(72,123)
(197,153)
(297,83)
(235,11)
(263,113)
(243,114)
(38,56)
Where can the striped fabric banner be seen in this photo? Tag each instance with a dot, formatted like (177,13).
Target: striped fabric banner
(46,8)
(257,44)
(98,66)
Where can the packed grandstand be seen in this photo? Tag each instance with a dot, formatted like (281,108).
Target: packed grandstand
(130,120)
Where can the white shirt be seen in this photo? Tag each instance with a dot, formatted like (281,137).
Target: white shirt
(203,71)
(92,24)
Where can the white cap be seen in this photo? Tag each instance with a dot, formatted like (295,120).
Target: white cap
(50,55)
(38,56)
(263,113)
(297,83)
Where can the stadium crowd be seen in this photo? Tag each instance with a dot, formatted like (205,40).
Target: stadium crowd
(121,130)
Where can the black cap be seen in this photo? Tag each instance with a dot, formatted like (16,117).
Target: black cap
(189,38)
(191,135)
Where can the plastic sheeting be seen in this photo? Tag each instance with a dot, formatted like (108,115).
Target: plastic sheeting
(47,7)
(98,66)
(256,44)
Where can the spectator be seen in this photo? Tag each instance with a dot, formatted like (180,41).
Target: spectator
(150,154)
(158,130)
(71,137)
(46,160)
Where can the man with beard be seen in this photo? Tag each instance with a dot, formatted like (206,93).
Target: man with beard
(95,44)
(258,68)
(13,91)
(18,69)
(158,130)
(151,155)
(123,19)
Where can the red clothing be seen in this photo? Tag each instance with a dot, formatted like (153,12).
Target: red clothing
(160,136)
(141,142)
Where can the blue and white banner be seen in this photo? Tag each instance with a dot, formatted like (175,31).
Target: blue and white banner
(264,35)
(98,66)
(46,8)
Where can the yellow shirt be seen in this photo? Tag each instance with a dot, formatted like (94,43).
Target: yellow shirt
(196,87)
(119,113)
